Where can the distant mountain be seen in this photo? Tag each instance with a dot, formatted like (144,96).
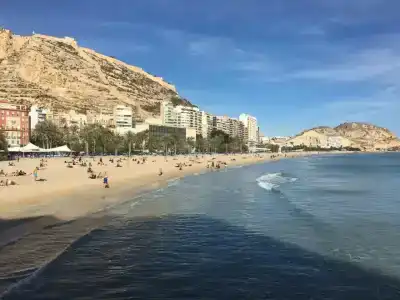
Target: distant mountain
(58,74)
(358,135)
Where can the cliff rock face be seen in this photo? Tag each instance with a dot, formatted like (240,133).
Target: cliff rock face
(357,135)
(58,74)
(368,135)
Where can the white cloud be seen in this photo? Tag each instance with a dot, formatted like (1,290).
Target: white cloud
(367,64)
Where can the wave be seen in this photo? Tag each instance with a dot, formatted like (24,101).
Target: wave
(272,181)
(173,181)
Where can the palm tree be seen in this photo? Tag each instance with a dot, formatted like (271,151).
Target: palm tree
(191,143)
(3,145)
(130,139)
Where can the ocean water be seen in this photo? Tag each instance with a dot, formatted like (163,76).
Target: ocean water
(323,227)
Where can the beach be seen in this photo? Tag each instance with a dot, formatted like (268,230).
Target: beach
(67,193)
(318,224)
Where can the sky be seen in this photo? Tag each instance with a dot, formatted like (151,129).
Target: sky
(292,64)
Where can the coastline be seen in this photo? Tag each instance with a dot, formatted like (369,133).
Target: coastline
(67,198)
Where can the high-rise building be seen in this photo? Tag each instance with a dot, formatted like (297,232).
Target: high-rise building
(189,117)
(37,115)
(236,128)
(251,127)
(207,124)
(181,116)
(231,126)
(222,123)
(14,122)
(123,117)
(168,114)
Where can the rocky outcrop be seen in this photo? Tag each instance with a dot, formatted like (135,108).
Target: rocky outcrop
(355,135)
(58,74)
(369,136)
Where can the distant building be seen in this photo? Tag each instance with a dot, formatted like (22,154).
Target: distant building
(66,119)
(181,116)
(105,119)
(222,123)
(37,115)
(207,124)
(123,117)
(231,126)
(14,122)
(251,127)
(168,114)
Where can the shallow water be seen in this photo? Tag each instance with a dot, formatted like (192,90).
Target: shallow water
(323,227)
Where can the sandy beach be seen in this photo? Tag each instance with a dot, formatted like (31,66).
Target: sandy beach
(68,193)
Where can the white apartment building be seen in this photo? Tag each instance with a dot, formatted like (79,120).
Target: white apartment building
(37,115)
(222,123)
(181,116)
(168,114)
(231,126)
(207,123)
(251,127)
(123,116)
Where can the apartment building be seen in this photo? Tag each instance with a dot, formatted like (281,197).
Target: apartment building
(14,122)
(181,116)
(251,128)
(37,114)
(207,124)
(68,119)
(236,128)
(168,114)
(105,119)
(231,126)
(123,116)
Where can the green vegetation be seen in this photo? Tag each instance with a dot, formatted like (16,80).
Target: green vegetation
(176,100)
(95,138)
(3,146)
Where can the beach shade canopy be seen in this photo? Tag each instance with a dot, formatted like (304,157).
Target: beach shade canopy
(14,149)
(58,149)
(30,148)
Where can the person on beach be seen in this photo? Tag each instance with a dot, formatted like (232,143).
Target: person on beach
(105,181)
(35,173)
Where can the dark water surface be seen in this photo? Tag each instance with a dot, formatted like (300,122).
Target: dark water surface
(311,228)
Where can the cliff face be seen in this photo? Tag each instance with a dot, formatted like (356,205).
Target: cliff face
(58,74)
(357,135)
(368,135)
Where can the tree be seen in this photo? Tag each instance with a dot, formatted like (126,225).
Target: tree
(48,135)
(154,144)
(142,139)
(3,146)
(191,144)
(130,139)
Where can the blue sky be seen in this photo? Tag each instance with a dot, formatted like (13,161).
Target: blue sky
(292,64)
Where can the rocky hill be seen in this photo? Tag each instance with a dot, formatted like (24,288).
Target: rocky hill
(368,135)
(357,135)
(58,74)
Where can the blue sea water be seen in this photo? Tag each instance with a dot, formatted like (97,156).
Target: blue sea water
(323,227)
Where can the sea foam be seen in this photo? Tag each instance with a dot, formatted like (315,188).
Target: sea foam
(272,181)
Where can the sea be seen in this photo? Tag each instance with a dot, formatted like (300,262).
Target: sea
(317,227)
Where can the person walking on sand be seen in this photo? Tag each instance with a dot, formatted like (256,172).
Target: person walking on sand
(105,181)
(35,173)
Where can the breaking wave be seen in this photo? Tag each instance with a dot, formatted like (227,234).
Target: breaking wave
(273,181)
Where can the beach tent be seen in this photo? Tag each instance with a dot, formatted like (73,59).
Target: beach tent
(63,149)
(14,149)
(30,148)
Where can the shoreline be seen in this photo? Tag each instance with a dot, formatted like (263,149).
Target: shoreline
(71,199)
